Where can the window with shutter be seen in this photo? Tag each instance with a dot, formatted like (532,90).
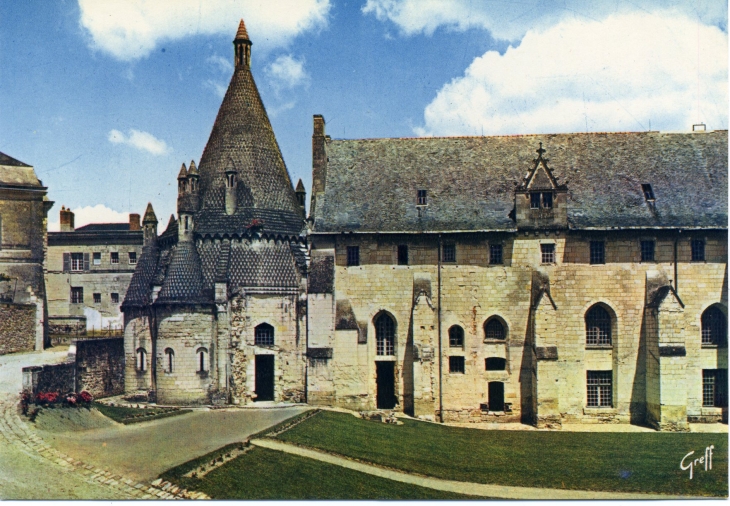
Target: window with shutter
(66,262)
(86,261)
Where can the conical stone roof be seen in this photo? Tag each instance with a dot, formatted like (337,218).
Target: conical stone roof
(242,135)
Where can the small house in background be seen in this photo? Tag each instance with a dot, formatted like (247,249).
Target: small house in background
(88,271)
(24,207)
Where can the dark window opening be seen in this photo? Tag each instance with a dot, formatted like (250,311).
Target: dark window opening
(449,253)
(77,295)
(170,359)
(456,337)
(495,254)
(598,327)
(495,364)
(403,254)
(132,257)
(714,388)
(547,200)
(599,386)
(647,251)
(494,330)
(97,258)
(422,198)
(77,261)
(97,298)
(714,326)
(114,258)
(115,298)
(598,252)
(264,335)
(141,359)
(456,365)
(353,256)
(698,250)
(534,201)
(648,192)
(203,364)
(496,396)
(384,335)
(548,253)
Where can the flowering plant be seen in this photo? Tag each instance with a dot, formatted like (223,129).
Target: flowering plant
(71,399)
(47,397)
(85,396)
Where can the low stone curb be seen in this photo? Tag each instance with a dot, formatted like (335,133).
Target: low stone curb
(15,431)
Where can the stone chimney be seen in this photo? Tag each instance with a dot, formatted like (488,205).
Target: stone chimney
(319,160)
(134,224)
(67,220)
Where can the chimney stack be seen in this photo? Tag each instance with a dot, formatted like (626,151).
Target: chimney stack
(134,224)
(67,220)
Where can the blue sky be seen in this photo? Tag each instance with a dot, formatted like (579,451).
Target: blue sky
(107,99)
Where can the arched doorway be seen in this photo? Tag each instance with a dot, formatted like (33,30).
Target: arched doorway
(385,369)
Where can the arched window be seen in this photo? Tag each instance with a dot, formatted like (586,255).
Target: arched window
(169,360)
(203,363)
(494,330)
(456,337)
(598,327)
(264,335)
(384,335)
(141,359)
(714,326)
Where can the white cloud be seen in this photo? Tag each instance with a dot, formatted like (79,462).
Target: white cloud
(132,29)
(86,215)
(143,141)
(286,72)
(216,87)
(627,72)
(511,20)
(221,64)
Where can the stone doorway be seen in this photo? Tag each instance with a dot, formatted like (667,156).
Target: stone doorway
(496,396)
(385,379)
(264,377)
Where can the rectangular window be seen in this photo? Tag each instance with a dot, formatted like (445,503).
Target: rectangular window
(548,253)
(403,254)
(534,201)
(132,257)
(114,258)
(77,295)
(77,261)
(115,298)
(97,258)
(647,251)
(422,198)
(456,365)
(97,298)
(495,254)
(353,255)
(450,253)
(648,192)
(714,388)
(547,200)
(599,389)
(598,252)
(698,250)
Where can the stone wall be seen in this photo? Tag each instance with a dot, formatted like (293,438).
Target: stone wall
(17,328)
(50,378)
(100,366)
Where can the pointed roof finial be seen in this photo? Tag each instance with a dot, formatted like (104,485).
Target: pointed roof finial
(183,172)
(230,166)
(149,214)
(540,151)
(193,170)
(300,186)
(242,34)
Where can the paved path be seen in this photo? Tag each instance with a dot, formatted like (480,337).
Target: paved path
(460,487)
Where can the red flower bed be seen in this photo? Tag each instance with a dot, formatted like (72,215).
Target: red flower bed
(85,396)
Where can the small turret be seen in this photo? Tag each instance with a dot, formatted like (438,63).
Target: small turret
(301,195)
(242,45)
(194,186)
(149,224)
(231,185)
(182,181)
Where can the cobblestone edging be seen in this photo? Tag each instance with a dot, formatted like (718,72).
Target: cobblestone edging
(17,432)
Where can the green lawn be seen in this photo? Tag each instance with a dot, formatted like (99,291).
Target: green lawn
(135,415)
(626,462)
(266,474)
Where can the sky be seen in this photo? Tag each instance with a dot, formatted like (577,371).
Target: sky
(106,99)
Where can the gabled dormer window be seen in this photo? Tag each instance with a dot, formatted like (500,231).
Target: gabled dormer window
(422,198)
(541,199)
(648,192)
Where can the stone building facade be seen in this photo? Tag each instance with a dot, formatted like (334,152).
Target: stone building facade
(88,271)
(24,208)
(465,278)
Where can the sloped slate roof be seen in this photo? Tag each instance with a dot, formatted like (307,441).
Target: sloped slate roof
(214,223)
(10,161)
(242,134)
(104,227)
(184,279)
(371,184)
(138,293)
(262,264)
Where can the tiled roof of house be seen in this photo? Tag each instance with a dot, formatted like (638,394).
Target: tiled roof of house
(10,161)
(138,293)
(372,184)
(184,280)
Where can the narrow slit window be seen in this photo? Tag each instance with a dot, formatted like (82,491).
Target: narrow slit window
(648,192)
(170,359)
(403,254)
(422,198)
